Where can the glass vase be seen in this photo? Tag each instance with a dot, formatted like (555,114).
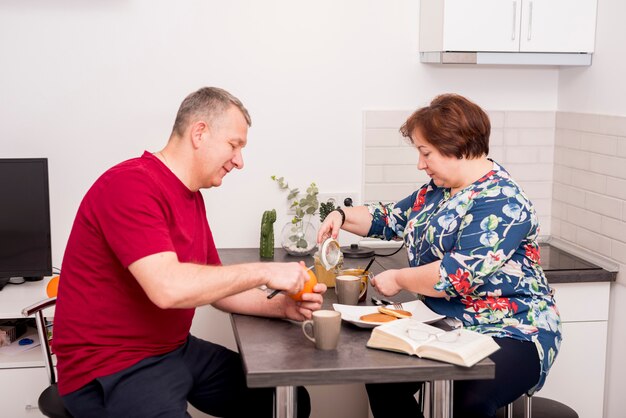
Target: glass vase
(299,238)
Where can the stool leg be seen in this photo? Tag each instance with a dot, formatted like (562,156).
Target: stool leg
(528,406)
(509,410)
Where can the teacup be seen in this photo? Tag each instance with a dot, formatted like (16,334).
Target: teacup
(364,277)
(349,289)
(326,326)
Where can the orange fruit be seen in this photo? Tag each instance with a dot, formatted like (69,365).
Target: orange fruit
(53,287)
(308,286)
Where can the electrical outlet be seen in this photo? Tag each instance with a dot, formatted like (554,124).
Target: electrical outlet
(339,198)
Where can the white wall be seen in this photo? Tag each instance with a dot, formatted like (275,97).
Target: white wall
(89,84)
(600,90)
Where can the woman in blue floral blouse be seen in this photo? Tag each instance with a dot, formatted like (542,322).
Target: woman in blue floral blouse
(471,239)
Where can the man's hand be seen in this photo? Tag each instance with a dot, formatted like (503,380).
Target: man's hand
(289,277)
(299,311)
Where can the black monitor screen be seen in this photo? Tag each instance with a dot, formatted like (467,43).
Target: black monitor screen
(24,218)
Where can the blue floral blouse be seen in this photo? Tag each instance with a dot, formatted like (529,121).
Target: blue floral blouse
(486,238)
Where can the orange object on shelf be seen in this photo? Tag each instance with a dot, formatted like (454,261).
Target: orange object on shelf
(53,287)
(308,287)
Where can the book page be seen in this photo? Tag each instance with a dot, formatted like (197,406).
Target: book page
(393,331)
(468,348)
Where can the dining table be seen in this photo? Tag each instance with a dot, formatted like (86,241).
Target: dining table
(275,353)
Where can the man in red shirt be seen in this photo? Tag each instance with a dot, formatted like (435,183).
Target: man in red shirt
(140,259)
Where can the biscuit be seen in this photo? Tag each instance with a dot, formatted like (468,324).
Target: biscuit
(377,317)
(395,312)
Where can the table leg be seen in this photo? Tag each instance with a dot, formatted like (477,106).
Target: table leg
(285,402)
(441,399)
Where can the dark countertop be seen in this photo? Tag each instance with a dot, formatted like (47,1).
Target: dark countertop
(558,265)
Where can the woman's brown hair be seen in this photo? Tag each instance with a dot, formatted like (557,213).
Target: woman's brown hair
(455,126)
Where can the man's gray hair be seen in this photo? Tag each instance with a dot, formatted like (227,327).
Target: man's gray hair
(209,103)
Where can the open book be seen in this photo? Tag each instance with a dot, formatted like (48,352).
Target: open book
(460,346)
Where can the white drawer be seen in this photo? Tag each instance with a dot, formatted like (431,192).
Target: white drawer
(583,301)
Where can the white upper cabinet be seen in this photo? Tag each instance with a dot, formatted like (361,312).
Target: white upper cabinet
(536,26)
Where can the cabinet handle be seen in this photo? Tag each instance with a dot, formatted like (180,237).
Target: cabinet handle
(530,20)
(29,407)
(514,20)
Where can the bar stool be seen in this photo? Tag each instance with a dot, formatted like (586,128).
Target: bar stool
(536,406)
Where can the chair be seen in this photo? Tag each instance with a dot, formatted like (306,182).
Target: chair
(50,402)
(527,406)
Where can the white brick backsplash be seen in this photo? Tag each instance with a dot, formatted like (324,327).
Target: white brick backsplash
(603,205)
(611,166)
(568,138)
(373,173)
(391,155)
(522,154)
(618,252)
(496,137)
(563,174)
(568,231)
(589,181)
(537,189)
(568,194)
(510,136)
(616,187)
(546,154)
(578,121)
(614,228)
(555,227)
(383,137)
(497,154)
(600,144)
(496,119)
(612,125)
(621,147)
(386,118)
(530,172)
(593,241)
(403,174)
(537,136)
(572,158)
(529,119)
(624,211)
(583,217)
(558,209)
(387,192)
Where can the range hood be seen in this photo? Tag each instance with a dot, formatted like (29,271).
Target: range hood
(506,58)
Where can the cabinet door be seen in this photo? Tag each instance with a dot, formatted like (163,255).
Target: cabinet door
(481,25)
(558,26)
(20,391)
(577,377)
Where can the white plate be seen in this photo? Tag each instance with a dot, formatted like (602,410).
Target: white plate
(418,309)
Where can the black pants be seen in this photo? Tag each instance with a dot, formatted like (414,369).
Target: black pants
(517,371)
(207,375)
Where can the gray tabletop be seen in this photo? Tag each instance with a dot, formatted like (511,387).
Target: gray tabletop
(276,353)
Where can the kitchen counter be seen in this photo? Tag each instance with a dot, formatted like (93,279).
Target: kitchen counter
(558,265)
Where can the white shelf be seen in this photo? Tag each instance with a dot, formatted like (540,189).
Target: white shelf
(14,298)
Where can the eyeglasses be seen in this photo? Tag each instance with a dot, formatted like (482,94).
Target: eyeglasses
(443,336)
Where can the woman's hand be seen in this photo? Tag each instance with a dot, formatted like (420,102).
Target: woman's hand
(299,311)
(386,283)
(330,227)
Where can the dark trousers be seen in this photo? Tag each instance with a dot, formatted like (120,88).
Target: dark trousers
(517,371)
(207,375)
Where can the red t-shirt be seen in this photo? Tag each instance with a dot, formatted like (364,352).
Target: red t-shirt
(104,322)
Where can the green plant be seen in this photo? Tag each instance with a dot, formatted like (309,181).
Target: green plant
(304,208)
(326,208)
(267,234)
